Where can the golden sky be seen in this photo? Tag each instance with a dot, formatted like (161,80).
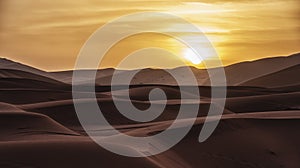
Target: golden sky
(49,34)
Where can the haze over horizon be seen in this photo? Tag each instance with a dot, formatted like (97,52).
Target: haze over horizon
(48,35)
(200,68)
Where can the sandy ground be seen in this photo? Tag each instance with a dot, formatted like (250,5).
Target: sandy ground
(259,126)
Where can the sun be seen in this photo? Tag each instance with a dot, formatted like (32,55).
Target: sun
(191,56)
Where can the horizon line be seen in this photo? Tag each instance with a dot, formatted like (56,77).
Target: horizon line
(152,68)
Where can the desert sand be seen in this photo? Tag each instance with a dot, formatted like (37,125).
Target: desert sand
(259,126)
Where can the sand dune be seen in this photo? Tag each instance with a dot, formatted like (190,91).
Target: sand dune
(13,78)
(66,76)
(241,72)
(283,78)
(291,88)
(63,111)
(17,124)
(29,95)
(65,152)
(236,74)
(19,74)
(284,101)
(6,64)
(259,126)
(243,143)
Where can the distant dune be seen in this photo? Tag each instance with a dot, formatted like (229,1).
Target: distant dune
(244,73)
(259,126)
(283,78)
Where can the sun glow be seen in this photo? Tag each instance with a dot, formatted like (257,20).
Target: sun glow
(49,35)
(191,56)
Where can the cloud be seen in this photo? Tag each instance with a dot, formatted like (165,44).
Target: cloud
(51,29)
